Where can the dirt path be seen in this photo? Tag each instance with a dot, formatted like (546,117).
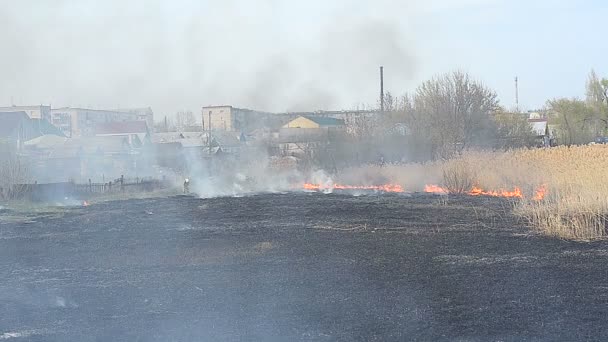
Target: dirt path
(288,267)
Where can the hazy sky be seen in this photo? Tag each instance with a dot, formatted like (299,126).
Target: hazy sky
(290,55)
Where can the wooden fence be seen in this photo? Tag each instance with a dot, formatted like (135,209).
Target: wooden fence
(58,191)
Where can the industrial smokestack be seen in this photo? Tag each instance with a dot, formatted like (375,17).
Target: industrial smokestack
(382,89)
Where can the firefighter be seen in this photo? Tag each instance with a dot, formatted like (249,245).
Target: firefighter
(187,186)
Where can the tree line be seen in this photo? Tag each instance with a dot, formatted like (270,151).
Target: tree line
(443,117)
(453,112)
(580,121)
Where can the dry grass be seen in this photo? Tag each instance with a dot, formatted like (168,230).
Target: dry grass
(576,201)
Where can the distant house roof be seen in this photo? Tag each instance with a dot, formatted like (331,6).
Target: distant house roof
(120,128)
(11,121)
(46,128)
(46,141)
(223,139)
(167,137)
(18,125)
(325,121)
(185,139)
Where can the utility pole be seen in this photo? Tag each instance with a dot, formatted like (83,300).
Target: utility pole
(203,119)
(381,89)
(516,94)
(209,135)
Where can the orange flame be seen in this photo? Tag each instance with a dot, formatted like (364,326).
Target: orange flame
(309,186)
(477,191)
(384,188)
(500,193)
(435,189)
(540,193)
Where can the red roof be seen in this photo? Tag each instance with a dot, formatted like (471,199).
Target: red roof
(123,127)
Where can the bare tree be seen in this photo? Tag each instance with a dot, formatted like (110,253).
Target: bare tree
(597,100)
(361,125)
(452,113)
(14,173)
(513,130)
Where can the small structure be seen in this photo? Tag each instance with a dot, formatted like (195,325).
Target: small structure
(540,127)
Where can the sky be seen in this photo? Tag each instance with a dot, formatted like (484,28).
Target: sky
(286,55)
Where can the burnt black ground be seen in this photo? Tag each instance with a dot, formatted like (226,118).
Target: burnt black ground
(290,267)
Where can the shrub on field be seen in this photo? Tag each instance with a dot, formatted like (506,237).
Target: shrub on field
(458,176)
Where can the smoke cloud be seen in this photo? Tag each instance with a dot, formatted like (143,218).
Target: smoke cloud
(267,54)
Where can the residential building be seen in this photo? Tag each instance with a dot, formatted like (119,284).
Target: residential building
(352,118)
(305,135)
(33,112)
(314,122)
(219,118)
(18,127)
(345,115)
(229,118)
(77,122)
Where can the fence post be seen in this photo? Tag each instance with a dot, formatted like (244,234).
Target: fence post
(90,186)
(34,190)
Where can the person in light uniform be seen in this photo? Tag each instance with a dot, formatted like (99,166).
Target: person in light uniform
(187,186)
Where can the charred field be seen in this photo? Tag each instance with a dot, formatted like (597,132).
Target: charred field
(297,266)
